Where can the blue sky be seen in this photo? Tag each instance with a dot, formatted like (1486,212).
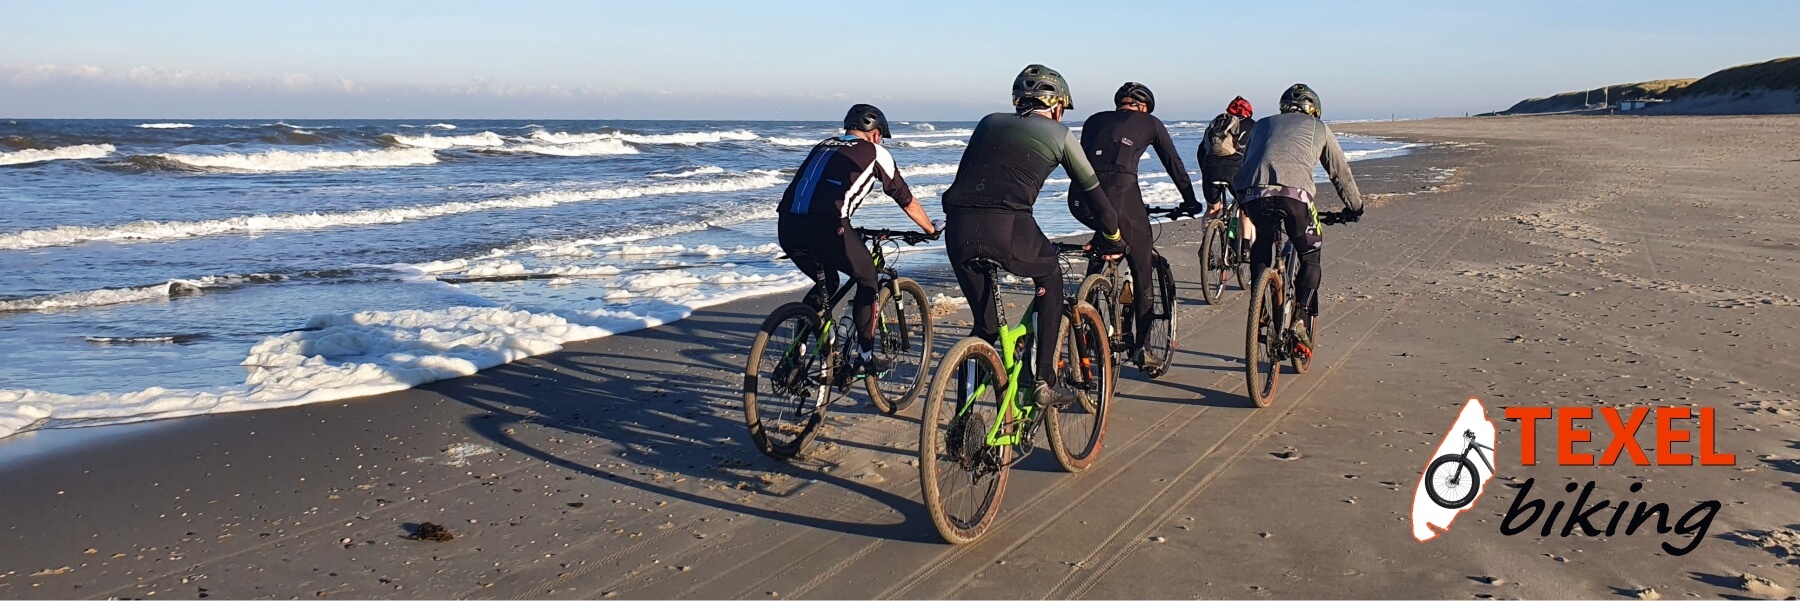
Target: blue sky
(669,59)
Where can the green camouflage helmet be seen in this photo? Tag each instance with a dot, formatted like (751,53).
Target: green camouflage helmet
(1044,85)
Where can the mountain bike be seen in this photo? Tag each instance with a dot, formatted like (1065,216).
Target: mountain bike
(801,358)
(1269,338)
(1451,480)
(980,417)
(1111,290)
(1223,251)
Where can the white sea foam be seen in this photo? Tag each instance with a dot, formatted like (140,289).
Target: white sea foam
(113,296)
(165,125)
(486,138)
(931,143)
(33,155)
(574,149)
(705,170)
(283,160)
(947,133)
(696,137)
(792,141)
(142,231)
(931,169)
(343,356)
(442,126)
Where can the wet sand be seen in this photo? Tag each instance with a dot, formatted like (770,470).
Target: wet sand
(1567,261)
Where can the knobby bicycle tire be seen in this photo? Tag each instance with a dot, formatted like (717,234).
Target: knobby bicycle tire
(952,444)
(1078,432)
(905,334)
(1466,469)
(1161,339)
(780,438)
(1262,334)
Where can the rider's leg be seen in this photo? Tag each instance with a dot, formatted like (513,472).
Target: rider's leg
(1263,212)
(966,237)
(1138,237)
(861,267)
(1309,245)
(798,238)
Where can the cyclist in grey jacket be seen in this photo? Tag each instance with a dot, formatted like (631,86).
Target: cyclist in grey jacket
(1277,189)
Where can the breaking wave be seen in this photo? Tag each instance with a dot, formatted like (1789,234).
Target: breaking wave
(282,160)
(147,231)
(33,155)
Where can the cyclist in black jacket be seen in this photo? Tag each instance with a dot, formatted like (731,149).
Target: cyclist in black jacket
(1115,141)
(989,207)
(814,227)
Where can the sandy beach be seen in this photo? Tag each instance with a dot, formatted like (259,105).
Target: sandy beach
(1528,261)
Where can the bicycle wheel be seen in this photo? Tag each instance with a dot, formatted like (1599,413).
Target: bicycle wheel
(1083,363)
(786,378)
(1262,335)
(1160,341)
(962,476)
(1215,261)
(1452,481)
(1238,257)
(902,336)
(1098,291)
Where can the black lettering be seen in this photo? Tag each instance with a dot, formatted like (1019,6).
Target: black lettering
(1535,505)
(1577,516)
(1555,510)
(1643,513)
(1698,530)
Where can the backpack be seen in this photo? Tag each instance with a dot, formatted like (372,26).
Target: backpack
(1221,137)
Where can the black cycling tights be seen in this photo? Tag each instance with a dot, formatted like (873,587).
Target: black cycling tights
(823,247)
(1296,218)
(1014,240)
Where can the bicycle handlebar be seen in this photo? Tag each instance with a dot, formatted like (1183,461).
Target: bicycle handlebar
(1337,218)
(910,238)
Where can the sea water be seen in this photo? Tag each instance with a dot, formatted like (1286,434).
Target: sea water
(153,269)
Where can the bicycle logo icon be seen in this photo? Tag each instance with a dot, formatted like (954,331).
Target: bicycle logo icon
(1457,473)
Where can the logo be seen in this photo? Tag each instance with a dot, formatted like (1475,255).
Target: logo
(1458,471)
(1127,142)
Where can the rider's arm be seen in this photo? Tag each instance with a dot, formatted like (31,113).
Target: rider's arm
(895,187)
(1338,167)
(1171,160)
(1081,177)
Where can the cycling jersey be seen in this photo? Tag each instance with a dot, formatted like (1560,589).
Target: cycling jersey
(1009,157)
(1283,150)
(1116,141)
(838,175)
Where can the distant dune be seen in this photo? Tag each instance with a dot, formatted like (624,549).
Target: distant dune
(1757,88)
(1575,101)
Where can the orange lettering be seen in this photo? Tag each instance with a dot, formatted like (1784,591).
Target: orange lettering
(1527,417)
(1567,435)
(1666,437)
(1708,444)
(1624,436)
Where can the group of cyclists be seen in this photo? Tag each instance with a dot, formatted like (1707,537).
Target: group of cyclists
(993,390)
(988,207)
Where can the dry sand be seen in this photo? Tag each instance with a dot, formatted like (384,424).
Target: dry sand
(1528,261)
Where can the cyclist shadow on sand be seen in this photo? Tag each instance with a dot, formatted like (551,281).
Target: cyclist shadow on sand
(667,419)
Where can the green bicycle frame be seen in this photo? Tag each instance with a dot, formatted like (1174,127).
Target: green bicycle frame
(1014,404)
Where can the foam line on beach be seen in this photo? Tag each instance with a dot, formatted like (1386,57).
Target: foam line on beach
(341,356)
(149,231)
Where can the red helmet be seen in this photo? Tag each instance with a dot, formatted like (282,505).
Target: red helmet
(1240,108)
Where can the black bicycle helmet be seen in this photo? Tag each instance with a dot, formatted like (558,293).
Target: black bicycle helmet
(1300,99)
(1136,90)
(865,117)
(1040,87)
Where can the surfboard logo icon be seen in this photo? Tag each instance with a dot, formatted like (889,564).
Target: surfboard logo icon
(1457,473)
